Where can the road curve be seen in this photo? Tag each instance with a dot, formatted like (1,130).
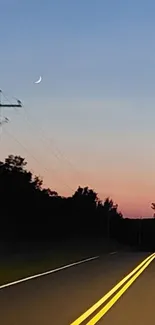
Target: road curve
(60,298)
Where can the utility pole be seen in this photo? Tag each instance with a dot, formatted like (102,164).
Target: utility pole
(108,227)
(4,119)
(19,104)
(140,232)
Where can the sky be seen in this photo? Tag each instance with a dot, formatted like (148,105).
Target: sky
(91,121)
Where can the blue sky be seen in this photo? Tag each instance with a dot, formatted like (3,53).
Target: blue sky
(96,99)
(82,48)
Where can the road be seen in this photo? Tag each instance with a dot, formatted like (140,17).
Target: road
(60,298)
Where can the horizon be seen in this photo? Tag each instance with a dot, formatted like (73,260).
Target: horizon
(96,100)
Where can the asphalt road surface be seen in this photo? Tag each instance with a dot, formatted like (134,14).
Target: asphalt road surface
(62,297)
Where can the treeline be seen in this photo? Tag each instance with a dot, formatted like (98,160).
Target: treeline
(30,212)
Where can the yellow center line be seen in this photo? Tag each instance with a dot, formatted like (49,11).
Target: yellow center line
(105,309)
(85,315)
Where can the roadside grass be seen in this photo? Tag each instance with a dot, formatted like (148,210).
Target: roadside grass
(19,266)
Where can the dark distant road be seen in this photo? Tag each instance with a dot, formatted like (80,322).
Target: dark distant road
(60,298)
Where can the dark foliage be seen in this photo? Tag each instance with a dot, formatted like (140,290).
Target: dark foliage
(31,213)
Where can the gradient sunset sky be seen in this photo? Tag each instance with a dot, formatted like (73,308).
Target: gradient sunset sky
(91,121)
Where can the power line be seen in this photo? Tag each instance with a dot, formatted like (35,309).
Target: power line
(40,129)
(59,155)
(28,151)
(6,120)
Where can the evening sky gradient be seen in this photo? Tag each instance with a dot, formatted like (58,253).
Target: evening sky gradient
(96,101)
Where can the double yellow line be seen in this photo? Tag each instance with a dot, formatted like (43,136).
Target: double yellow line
(132,276)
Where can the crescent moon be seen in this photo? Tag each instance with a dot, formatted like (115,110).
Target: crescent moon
(39,80)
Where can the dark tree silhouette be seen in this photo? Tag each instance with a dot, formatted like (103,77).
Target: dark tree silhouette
(153,207)
(29,212)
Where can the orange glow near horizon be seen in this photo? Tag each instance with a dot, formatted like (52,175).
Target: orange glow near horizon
(133,200)
(116,165)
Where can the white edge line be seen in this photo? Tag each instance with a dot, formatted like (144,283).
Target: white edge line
(48,272)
